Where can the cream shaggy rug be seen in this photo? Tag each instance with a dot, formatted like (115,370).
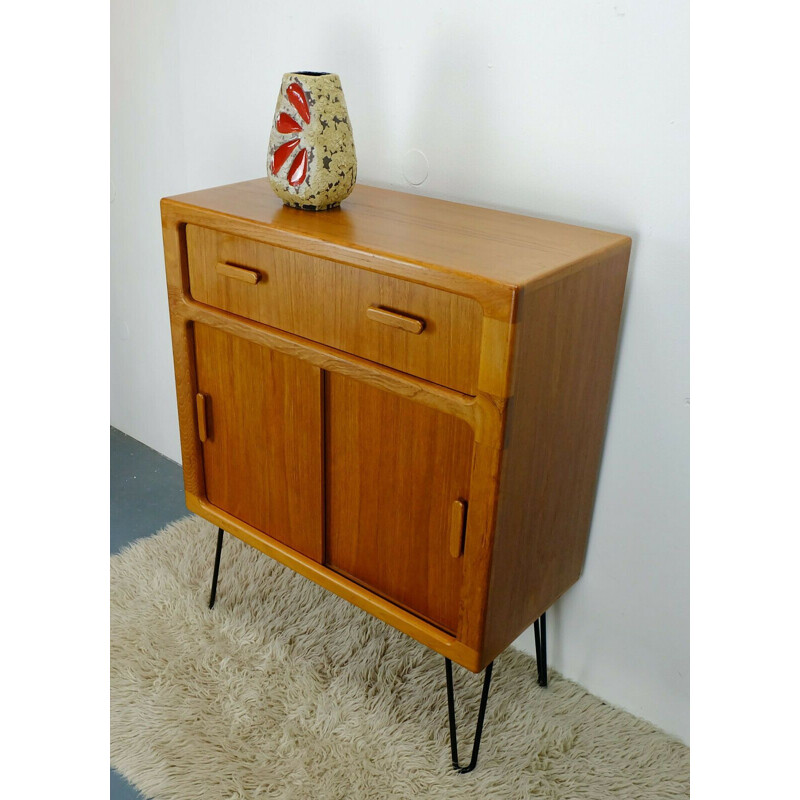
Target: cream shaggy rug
(285,691)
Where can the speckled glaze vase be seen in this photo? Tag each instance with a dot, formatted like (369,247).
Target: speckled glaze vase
(312,158)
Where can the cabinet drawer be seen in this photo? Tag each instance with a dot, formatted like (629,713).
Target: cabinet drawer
(426,332)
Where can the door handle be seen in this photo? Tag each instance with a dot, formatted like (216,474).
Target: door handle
(243,274)
(458,525)
(202,422)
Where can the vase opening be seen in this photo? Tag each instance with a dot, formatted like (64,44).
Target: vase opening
(312,74)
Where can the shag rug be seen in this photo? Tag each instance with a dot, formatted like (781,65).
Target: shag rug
(285,691)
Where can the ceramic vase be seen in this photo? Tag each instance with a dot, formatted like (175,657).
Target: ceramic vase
(312,158)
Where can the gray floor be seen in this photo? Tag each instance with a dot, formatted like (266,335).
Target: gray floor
(146,494)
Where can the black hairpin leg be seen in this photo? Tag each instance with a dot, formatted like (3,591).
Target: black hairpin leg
(540,637)
(487,679)
(216,570)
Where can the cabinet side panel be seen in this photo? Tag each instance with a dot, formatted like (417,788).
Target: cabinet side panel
(563,367)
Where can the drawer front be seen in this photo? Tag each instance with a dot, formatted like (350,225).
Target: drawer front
(426,332)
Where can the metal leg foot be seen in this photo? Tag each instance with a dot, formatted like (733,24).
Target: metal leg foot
(487,679)
(540,637)
(216,569)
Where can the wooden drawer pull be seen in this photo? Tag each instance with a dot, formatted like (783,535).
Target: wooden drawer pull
(239,273)
(402,321)
(202,426)
(458,518)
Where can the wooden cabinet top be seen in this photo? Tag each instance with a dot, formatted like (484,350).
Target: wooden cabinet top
(477,251)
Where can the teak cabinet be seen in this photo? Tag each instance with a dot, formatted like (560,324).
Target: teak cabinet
(402,399)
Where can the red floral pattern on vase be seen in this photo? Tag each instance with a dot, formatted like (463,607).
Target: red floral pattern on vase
(285,123)
(299,168)
(282,153)
(297,97)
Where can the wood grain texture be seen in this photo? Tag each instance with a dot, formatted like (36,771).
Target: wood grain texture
(327,302)
(466,249)
(263,451)
(393,470)
(563,366)
(481,413)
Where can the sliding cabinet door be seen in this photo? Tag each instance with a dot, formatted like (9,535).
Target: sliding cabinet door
(262,452)
(397,479)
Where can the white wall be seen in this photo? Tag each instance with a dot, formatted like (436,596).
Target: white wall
(575,110)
